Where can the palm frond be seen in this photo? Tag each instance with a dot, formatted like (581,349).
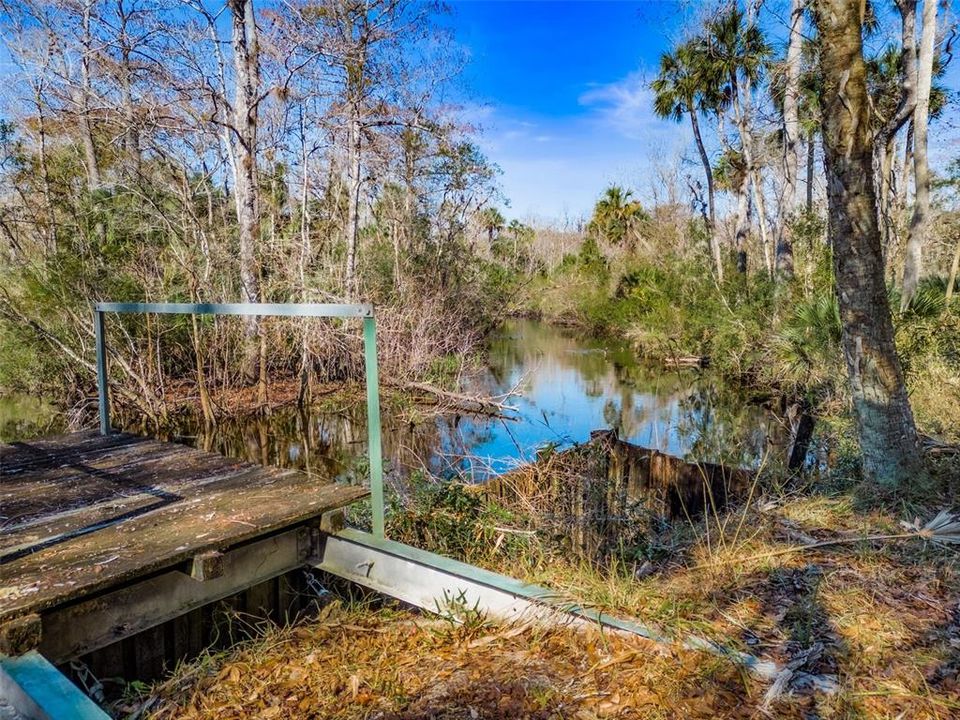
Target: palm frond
(943,529)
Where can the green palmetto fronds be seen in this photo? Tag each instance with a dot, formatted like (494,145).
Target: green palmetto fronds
(810,337)
(686,83)
(616,215)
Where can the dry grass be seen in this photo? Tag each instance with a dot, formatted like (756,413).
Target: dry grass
(876,621)
(879,620)
(356,664)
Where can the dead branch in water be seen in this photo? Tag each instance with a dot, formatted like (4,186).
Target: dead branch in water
(473,404)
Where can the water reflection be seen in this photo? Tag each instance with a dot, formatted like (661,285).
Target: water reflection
(572,386)
(23,417)
(568,386)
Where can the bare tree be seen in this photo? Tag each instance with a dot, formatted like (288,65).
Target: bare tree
(791,136)
(246,63)
(920,222)
(85,94)
(891,126)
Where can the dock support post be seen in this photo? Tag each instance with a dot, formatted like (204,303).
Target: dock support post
(102,388)
(373,424)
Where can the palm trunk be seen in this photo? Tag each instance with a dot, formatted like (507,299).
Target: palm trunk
(920,222)
(708,171)
(888,437)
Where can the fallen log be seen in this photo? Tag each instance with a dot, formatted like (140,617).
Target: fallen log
(474,405)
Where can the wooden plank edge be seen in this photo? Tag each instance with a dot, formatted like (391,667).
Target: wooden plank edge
(75,630)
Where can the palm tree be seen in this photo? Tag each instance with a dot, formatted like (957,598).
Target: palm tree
(683,87)
(615,215)
(735,55)
(492,222)
(881,406)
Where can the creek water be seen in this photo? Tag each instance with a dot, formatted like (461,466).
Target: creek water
(565,387)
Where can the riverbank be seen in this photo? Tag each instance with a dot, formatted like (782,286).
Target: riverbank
(798,570)
(857,608)
(778,340)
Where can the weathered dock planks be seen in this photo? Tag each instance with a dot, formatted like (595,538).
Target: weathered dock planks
(84,513)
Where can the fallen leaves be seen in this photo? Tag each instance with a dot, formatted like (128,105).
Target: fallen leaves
(352,665)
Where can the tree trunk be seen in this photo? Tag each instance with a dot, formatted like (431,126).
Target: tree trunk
(131,134)
(741,113)
(908,72)
(51,221)
(955,265)
(811,159)
(246,186)
(791,135)
(903,191)
(920,222)
(888,437)
(206,405)
(761,203)
(353,208)
(708,171)
(86,127)
(885,201)
(743,223)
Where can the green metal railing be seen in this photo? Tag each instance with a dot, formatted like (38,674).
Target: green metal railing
(276,310)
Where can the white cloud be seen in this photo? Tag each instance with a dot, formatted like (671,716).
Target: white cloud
(626,106)
(557,166)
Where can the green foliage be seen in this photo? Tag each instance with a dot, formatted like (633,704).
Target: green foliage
(809,340)
(616,218)
(453,520)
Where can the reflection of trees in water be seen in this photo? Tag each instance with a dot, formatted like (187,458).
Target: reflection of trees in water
(724,427)
(326,443)
(648,404)
(612,415)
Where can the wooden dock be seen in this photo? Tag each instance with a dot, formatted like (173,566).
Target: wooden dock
(105,536)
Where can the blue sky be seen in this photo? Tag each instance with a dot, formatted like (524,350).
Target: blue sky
(559,90)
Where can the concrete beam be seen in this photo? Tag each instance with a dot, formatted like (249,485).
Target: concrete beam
(439,584)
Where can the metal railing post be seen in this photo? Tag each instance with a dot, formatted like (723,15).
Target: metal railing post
(335,310)
(373,423)
(103,390)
